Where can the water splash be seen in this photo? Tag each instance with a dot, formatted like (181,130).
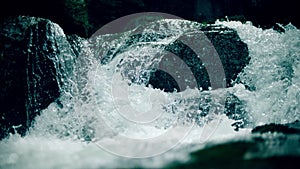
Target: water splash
(268,88)
(91,96)
(272,75)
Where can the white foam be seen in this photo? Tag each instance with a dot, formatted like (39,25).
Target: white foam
(65,136)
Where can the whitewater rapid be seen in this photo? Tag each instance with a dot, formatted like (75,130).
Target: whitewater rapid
(85,131)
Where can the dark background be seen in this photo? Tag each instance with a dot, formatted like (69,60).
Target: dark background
(84,17)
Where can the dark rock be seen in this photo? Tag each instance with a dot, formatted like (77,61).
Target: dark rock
(29,46)
(201,108)
(75,43)
(235,108)
(289,128)
(237,155)
(232,52)
(265,149)
(162,80)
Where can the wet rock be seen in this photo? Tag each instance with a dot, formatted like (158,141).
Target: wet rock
(232,52)
(75,42)
(235,109)
(28,74)
(237,155)
(272,146)
(289,128)
(162,80)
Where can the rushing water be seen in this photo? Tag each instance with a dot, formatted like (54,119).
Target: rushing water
(101,104)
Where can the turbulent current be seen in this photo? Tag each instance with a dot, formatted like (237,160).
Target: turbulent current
(107,115)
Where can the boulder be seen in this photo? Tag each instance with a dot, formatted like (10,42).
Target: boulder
(232,51)
(271,146)
(155,54)
(289,128)
(213,41)
(28,80)
(242,155)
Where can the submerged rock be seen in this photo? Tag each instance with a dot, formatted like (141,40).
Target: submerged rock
(238,155)
(29,48)
(271,146)
(289,128)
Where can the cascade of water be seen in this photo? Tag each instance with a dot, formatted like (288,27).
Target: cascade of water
(109,79)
